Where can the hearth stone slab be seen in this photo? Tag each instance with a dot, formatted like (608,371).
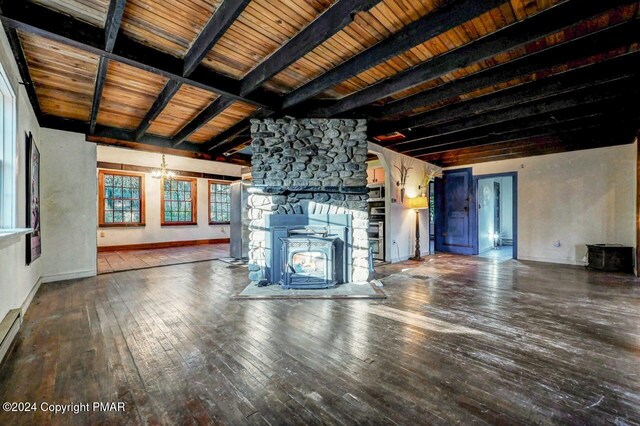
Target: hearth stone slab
(357,291)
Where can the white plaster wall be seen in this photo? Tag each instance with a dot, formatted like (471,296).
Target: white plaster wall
(153,232)
(69,218)
(400,223)
(576,198)
(18,282)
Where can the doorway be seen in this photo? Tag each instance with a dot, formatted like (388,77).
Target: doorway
(496,213)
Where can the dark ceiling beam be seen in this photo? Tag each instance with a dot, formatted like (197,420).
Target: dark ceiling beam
(338,16)
(448,16)
(215,108)
(545,23)
(58,123)
(221,20)
(38,20)
(598,138)
(112,23)
(224,16)
(618,36)
(586,99)
(111,29)
(571,125)
(568,81)
(101,79)
(23,68)
(163,99)
(549,121)
(226,140)
(125,138)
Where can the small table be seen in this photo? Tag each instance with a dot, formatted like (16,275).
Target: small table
(610,257)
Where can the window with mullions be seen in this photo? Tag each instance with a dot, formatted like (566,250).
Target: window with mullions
(179,202)
(121,198)
(219,202)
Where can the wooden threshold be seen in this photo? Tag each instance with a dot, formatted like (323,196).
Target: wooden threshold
(166,244)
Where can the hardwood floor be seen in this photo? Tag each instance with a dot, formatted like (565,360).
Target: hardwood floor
(459,339)
(127,260)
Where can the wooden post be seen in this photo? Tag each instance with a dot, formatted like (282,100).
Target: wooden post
(638,209)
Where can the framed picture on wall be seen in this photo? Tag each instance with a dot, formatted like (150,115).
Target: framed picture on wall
(33,199)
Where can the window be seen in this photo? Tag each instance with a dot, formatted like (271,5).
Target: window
(121,198)
(219,202)
(179,202)
(8,193)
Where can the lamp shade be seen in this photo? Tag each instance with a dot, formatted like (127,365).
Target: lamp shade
(418,203)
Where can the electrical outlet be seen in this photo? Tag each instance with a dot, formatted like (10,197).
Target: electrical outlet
(101,234)
(556,243)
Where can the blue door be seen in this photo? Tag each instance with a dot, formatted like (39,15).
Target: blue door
(455,227)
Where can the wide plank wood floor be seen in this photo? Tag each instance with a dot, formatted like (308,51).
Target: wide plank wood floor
(127,260)
(459,340)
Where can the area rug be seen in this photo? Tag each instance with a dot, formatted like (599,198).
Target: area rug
(343,291)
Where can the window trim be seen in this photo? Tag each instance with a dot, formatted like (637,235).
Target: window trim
(222,182)
(9,152)
(101,210)
(194,203)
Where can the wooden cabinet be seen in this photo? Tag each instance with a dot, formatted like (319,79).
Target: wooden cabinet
(375,175)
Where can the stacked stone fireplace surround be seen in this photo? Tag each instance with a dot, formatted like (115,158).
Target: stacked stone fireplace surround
(309,167)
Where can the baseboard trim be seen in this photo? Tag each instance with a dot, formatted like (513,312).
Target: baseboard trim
(166,244)
(69,276)
(551,260)
(30,296)
(9,328)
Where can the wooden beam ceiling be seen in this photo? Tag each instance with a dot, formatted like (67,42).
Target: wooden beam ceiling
(451,15)
(35,19)
(479,73)
(565,82)
(325,26)
(608,39)
(543,24)
(596,97)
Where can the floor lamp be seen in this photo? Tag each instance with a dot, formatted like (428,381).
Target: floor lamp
(418,203)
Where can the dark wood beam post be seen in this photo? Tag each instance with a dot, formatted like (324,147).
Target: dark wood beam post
(638,208)
(545,23)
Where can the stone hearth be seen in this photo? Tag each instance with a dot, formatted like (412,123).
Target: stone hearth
(309,167)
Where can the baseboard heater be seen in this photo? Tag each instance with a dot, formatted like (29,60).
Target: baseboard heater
(9,328)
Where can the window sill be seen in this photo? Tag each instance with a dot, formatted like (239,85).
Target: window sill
(122,225)
(9,237)
(219,223)
(179,224)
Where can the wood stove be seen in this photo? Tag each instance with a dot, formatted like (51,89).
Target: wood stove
(308,262)
(308,250)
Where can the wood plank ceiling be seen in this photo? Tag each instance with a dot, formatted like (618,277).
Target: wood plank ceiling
(456,81)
